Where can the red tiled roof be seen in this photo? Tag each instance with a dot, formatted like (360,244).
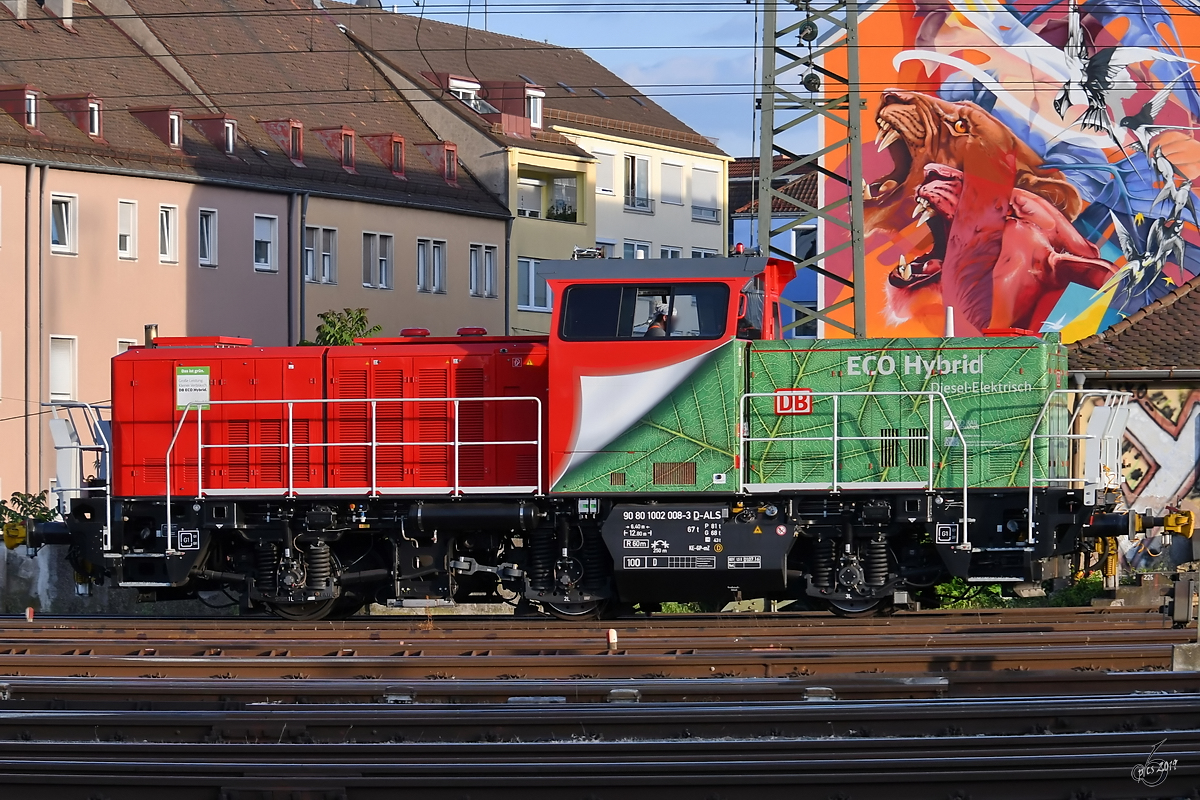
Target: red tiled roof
(1164,334)
(803,189)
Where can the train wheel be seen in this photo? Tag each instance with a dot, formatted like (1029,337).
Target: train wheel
(855,608)
(575,611)
(303,612)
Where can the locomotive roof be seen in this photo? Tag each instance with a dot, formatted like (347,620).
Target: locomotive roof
(653,269)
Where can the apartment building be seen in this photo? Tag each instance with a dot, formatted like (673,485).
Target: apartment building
(581,158)
(236,193)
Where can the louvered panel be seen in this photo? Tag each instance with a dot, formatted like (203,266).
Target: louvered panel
(471,428)
(353,425)
(271,459)
(301,456)
(433,425)
(389,425)
(238,432)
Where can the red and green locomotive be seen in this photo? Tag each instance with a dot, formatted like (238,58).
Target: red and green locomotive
(664,442)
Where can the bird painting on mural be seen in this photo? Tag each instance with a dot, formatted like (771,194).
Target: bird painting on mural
(1141,124)
(1141,269)
(1090,77)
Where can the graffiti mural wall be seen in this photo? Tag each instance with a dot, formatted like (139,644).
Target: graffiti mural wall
(1159,462)
(1032,165)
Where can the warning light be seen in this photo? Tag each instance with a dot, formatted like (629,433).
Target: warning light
(415,332)
(472,331)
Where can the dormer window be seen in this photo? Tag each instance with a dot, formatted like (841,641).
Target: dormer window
(468,92)
(230,136)
(93,118)
(451,173)
(31,110)
(348,150)
(390,149)
(397,164)
(296,143)
(533,106)
(175,130)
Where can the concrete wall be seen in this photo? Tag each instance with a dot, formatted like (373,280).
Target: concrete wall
(403,306)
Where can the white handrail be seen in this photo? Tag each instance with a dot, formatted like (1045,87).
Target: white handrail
(375,489)
(835,485)
(91,412)
(1113,400)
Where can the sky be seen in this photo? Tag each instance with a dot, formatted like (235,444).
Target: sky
(696,59)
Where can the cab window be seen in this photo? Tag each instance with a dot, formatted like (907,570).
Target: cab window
(612,312)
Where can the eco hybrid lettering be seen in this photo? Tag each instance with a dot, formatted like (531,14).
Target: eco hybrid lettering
(914,364)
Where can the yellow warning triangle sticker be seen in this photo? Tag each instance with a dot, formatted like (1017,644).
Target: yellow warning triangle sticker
(529,362)
(757,529)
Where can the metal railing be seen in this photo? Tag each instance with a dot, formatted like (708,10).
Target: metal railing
(1107,441)
(100,444)
(931,400)
(374,490)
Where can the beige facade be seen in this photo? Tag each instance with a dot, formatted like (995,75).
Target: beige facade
(371,240)
(678,211)
(546,235)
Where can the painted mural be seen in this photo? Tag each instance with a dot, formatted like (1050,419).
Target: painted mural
(1032,165)
(1159,460)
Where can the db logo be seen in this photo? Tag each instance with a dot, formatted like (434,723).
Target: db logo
(793,401)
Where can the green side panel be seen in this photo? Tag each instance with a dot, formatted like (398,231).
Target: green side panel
(994,388)
(687,443)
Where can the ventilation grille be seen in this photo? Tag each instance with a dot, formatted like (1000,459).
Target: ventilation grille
(433,425)
(471,462)
(389,426)
(238,431)
(675,473)
(889,447)
(918,447)
(616,479)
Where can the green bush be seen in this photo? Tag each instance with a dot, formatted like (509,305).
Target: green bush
(22,506)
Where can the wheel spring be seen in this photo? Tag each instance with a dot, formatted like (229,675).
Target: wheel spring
(319,561)
(876,562)
(266,566)
(595,566)
(541,560)
(823,557)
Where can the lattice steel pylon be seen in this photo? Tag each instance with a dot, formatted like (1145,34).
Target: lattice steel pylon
(825,31)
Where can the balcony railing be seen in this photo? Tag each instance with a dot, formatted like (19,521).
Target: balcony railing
(642,205)
(705,214)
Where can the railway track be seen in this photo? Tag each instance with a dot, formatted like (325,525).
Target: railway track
(1040,703)
(406,648)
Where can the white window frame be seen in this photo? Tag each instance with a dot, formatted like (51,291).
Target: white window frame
(94,111)
(168,251)
(607,246)
(72,369)
(638,247)
(424,259)
(611,189)
(175,130)
(271,264)
(483,270)
(667,251)
(703,213)
(211,260)
(31,110)
(531,287)
(638,199)
(130,252)
(124,344)
(533,107)
(230,136)
(662,191)
(438,266)
(530,183)
(327,253)
(70,246)
(380,272)
(703,252)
